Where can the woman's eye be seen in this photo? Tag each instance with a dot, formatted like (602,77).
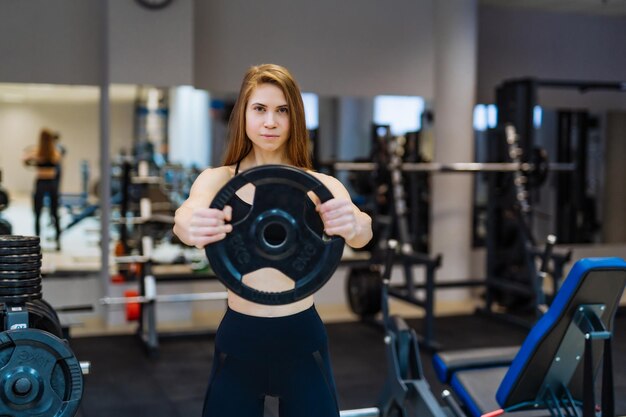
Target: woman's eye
(283,110)
(258,108)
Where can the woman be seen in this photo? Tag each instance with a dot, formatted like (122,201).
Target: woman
(279,350)
(47,160)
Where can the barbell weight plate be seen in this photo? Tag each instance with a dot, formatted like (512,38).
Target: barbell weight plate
(33,289)
(5,227)
(279,202)
(4,199)
(19,299)
(13,250)
(364,291)
(133,310)
(39,375)
(43,317)
(48,307)
(40,317)
(17,241)
(20,258)
(539,174)
(20,274)
(12,283)
(26,266)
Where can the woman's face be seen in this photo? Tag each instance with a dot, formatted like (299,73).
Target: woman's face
(267,118)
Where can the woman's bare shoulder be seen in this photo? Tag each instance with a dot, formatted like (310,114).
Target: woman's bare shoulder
(333,184)
(217,176)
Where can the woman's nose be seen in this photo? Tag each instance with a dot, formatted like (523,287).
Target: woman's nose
(269,120)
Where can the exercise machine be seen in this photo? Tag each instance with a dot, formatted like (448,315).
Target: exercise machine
(556,368)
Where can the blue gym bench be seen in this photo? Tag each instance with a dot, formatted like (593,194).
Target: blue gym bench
(554,371)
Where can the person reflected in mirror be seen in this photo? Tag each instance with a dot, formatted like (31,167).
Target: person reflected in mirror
(46,158)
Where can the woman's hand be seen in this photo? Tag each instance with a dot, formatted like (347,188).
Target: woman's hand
(339,218)
(208,225)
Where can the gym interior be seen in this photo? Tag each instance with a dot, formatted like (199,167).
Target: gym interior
(483,137)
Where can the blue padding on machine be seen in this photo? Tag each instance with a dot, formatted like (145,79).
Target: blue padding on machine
(544,325)
(441,370)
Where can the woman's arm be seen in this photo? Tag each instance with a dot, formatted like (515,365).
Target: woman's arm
(341,217)
(195,223)
(29,157)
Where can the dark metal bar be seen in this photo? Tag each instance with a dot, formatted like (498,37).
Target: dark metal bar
(583,85)
(105,160)
(449,284)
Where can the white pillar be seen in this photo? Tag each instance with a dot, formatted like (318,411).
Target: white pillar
(455,31)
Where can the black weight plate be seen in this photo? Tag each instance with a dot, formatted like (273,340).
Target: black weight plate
(39,317)
(279,201)
(52,314)
(20,258)
(19,299)
(19,274)
(364,291)
(26,266)
(20,290)
(5,227)
(46,366)
(4,199)
(17,250)
(16,241)
(12,283)
(43,318)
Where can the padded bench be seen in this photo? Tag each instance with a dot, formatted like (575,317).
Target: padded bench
(553,372)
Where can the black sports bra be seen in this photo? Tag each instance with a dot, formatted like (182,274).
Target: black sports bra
(241,209)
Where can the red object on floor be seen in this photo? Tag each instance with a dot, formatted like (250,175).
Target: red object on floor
(133,310)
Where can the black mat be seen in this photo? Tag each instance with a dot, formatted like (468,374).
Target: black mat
(125,383)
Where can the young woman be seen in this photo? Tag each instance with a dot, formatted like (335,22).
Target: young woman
(46,158)
(261,350)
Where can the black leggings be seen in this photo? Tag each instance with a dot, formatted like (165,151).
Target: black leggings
(283,357)
(50,187)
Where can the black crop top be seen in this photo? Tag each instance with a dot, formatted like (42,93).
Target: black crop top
(241,209)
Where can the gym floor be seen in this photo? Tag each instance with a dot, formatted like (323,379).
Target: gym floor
(124,382)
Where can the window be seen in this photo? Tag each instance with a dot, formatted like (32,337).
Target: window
(402,113)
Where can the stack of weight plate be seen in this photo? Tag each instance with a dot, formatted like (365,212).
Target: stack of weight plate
(39,374)
(20,269)
(20,282)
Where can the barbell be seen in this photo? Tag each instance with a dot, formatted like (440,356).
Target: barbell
(165,298)
(451,167)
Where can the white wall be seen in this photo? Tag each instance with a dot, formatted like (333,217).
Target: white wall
(520,43)
(78,124)
(347,47)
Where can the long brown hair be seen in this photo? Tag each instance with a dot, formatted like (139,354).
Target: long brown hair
(239,145)
(46,150)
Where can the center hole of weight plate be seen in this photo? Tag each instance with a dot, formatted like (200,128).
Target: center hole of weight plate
(274,234)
